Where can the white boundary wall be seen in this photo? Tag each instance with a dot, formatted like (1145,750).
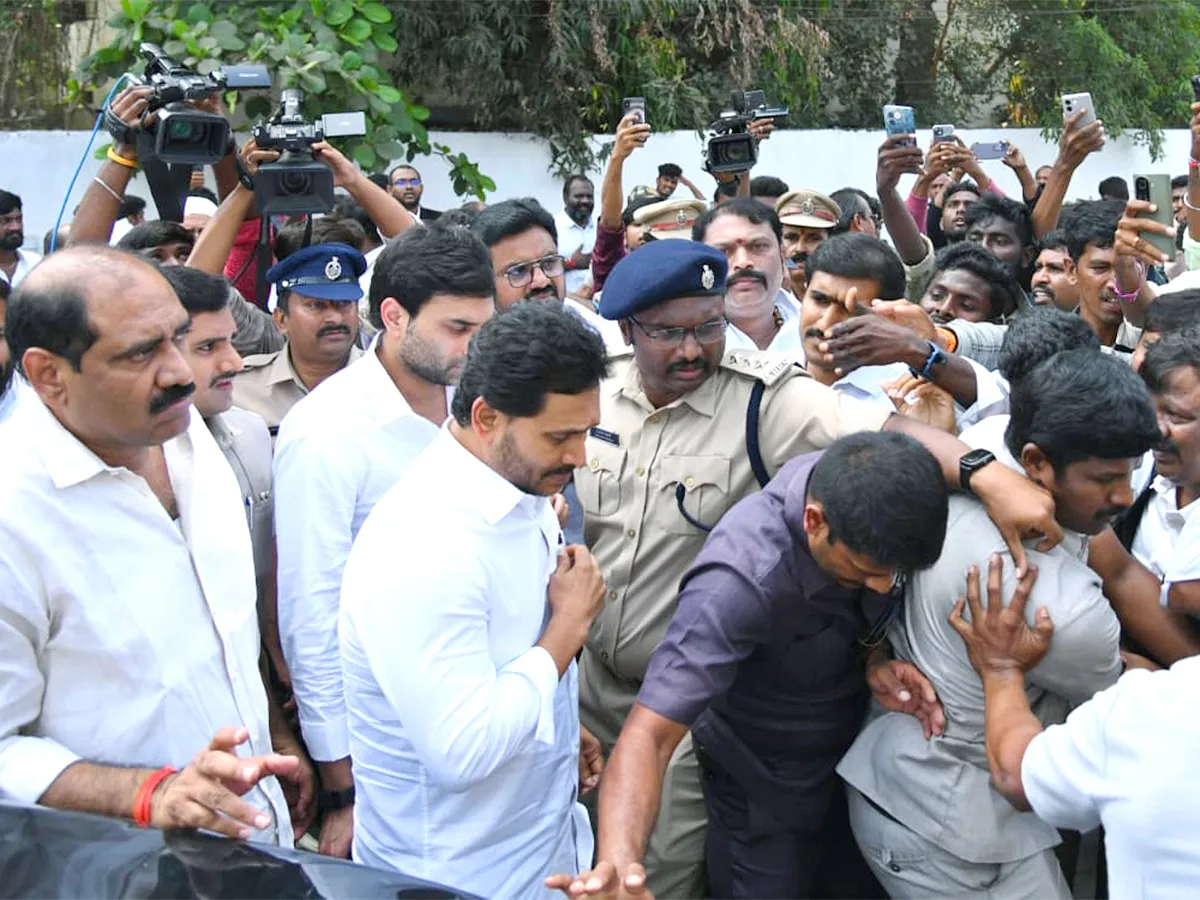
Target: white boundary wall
(38,165)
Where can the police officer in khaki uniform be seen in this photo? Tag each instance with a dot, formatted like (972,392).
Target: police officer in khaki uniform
(808,218)
(686,431)
(317,310)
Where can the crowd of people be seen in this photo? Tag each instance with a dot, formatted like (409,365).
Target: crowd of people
(670,547)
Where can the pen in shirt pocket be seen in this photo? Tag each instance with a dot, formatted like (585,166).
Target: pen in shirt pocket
(250,512)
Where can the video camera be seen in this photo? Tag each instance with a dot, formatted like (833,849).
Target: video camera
(297,182)
(184,134)
(731,147)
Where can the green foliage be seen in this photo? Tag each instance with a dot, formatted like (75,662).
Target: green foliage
(332,50)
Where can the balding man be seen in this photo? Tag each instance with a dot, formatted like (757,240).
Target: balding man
(128,631)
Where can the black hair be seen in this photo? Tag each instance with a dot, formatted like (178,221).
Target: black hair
(204,193)
(955,187)
(1176,350)
(522,354)
(50,314)
(199,292)
(1172,312)
(379,179)
(8,202)
(1115,187)
(510,218)
(571,179)
(768,186)
(1005,294)
(993,206)
(325,230)
(158,233)
(1179,181)
(394,169)
(60,244)
(903,525)
(5,290)
(1092,223)
(1053,240)
(131,205)
(753,211)
(851,202)
(460,217)
(635,204)
(1036,335)
(1081,404)
(853,255)
(348,208)
(428,261)
(669,170)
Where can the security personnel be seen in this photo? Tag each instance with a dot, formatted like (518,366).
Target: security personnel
(318,293)
(686,431)
(808,218)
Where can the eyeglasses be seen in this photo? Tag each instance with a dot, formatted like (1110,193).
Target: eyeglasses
(407,182)
(706,333)
(878,631)
(12,219)
(522,273)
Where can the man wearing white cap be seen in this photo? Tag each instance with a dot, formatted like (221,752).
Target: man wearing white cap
(197,211)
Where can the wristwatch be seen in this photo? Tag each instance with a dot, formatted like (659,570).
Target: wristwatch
(935,358)
(329,800)
(970,463)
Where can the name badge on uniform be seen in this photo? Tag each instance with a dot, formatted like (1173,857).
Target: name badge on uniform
(608,437)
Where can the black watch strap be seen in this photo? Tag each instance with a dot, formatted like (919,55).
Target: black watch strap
(246,179)
(342,799)
(970,463)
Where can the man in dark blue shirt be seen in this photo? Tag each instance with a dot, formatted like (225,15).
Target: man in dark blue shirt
(764,662)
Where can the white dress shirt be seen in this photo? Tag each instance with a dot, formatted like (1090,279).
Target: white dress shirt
(1159,532)
(572,236)
(787,340)
(26,260)
(465,741)
(127,639)
(1126,759)
(338,451)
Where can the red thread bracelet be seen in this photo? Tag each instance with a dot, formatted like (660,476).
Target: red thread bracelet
(141,802)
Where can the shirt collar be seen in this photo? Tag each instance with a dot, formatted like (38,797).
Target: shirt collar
(67,460)
(702,400)
(493,495)
(281,368)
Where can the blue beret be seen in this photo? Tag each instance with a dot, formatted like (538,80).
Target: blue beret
(661,271)
(322,271)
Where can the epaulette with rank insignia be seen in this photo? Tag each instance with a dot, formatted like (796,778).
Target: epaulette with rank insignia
(768,368)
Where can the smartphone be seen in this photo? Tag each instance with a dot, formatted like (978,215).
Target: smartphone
(635,105)
(942,133)
(900,120)
(1156,189)
(1072,103)
(990,150)
(1196,87)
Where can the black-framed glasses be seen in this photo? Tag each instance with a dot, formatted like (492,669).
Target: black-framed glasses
(706,333)
(878,631)
(521,274)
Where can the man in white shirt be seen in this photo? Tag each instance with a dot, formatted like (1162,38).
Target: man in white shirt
(127,604)
(15,263)
(462,614)
(577,229)
(761,314)
(1125,759)
(343,446)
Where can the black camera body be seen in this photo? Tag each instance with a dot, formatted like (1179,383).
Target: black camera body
(731,147)
(298,183)
(184,134)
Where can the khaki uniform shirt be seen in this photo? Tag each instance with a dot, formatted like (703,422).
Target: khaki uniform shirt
(246,443)
(269,385)
(636,460)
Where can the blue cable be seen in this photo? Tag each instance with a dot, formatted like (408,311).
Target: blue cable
(83,159)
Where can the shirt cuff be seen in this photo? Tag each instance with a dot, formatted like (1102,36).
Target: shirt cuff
(327,741)
(29,765)
(538,667)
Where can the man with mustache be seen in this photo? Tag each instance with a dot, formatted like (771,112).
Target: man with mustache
(672,453)
(407,187)
(431,292)
(15,263)
(577,229)
(317,311)
(1054,281)
(1091,234)
(807,218)
(924,812)
(761,314)
(127,602)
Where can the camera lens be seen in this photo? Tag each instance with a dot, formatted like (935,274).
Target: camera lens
(294,183)
(184,131)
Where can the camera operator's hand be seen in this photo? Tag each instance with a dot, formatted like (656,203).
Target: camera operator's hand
(761,129)
(129,109)
(344,172)
(631,134)
(252,157)
(1194,125)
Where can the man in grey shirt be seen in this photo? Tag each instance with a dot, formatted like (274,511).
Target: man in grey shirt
(923,811)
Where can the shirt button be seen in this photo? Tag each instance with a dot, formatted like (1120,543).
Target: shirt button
(653,420)
(895,867)
(604,655)
(594,465)
(641,470)
(612,595)
(631,533)
(689,482)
